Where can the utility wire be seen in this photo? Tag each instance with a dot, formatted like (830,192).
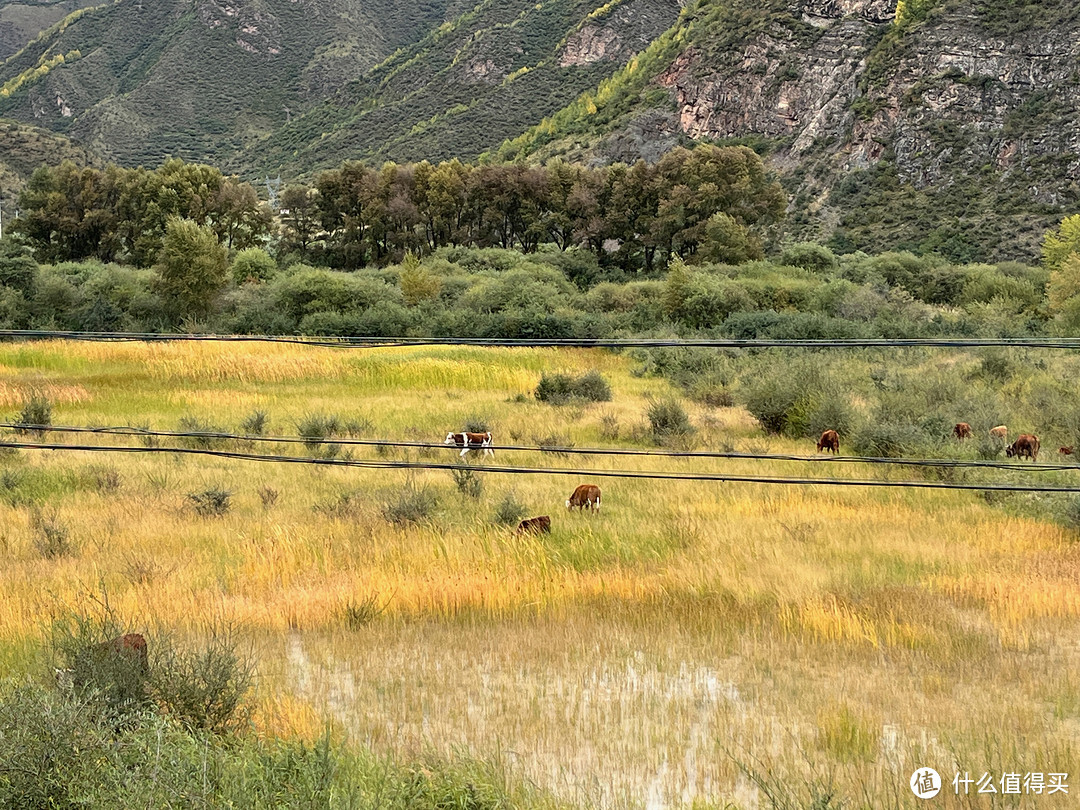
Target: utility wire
(607,343)
(583,451)
(645,474)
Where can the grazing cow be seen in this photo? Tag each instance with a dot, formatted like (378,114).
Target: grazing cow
(830,441)
(1025,445)
(471,441)
(131,646)
(999,432)
(1066,451)
(585,496)
(962,431)
(536,525)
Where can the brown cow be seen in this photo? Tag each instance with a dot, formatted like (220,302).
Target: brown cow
(830,441)
(1025,445)
(471,441)
(586,495)
(536,525)
(131,646)
(1066,451)
(962,431)
(999,432)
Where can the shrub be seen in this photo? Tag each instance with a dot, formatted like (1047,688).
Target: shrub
(269,496)
(193,424)
(315,429)
(212,502)
(411,505)
(106,480)
(35,417)
(886,440)
(204,688)
(668,420)
(254,424)
(252,264)
(52,538)
(362,612)
(559,389)
(509,511)
(468,481)
(115,685)
(554,443)
(609,426)
(809,256)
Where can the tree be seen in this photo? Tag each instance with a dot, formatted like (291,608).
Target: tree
(192,268)
(252,264)
(1061,242)
(18,270)
(728,242)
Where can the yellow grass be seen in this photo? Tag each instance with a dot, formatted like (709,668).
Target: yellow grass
(631,658)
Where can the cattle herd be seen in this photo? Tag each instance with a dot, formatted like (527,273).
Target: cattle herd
(1025,446)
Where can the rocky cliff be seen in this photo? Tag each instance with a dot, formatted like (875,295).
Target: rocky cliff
(948,126)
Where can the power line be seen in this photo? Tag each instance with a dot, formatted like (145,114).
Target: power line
(366,342)
(630,474)
(583,451)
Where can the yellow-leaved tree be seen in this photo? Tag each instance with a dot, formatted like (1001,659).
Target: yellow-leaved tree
(1061,256)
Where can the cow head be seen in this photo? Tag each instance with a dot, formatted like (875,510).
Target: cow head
(567,503)
(1010,451)
(450,439)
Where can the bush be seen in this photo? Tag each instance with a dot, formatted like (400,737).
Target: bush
(510,511)
(212,502)
(886,440)
(52,538)
(559,389)
(468,481)
(35,417)
(668,420)
(361,612)
(114,684)
(252,264)
(193,424)
(315,429)
(204,688)
(412,505)
(809,256)
(255,423)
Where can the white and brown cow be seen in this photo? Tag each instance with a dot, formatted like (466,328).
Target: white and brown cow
(586,496)
(471,441)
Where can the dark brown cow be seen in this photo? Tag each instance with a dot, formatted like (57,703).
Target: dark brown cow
(129,645)
(1066,451)
(585,496)
(536,525)
(962,431)
(471,441)
(830,441)
(1026,445)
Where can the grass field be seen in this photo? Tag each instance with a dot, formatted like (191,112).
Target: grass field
(692,644)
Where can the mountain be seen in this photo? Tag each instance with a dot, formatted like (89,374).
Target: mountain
(137,80)
(23,148)
(266,85)
(947,126)
(21,22)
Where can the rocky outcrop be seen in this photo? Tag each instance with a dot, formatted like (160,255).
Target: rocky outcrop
(618,34)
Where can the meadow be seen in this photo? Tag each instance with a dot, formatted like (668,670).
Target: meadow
(693,644)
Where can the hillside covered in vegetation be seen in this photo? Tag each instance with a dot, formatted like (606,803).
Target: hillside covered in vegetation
(943,126)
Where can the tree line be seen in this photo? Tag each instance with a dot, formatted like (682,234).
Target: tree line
(713,201)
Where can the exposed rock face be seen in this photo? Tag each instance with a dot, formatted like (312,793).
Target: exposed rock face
(256,30)
(618,35)
(942,101)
